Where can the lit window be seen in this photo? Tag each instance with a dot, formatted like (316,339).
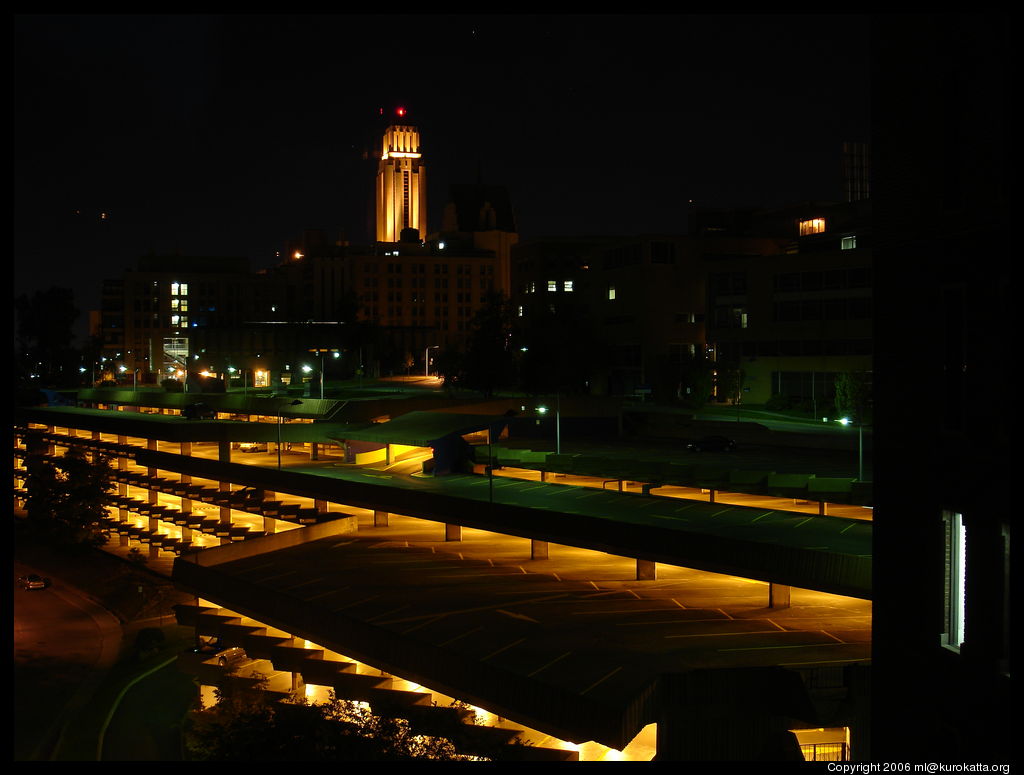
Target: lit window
(611,292)
(174,289)
(552,286)
(567,286)
(849,243)
(812,226)
(520,310)
(955,580)
(183,289)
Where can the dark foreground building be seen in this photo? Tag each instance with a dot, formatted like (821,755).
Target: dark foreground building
(942,644)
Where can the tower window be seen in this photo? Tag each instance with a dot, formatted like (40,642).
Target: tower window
(848,243)
(611,293)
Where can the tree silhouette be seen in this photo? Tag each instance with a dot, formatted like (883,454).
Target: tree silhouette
(68,497)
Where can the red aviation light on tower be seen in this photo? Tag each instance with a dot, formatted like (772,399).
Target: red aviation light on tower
(400,112)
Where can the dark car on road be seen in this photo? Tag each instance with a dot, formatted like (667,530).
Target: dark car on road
(33,581)
(712,444)
(199,411)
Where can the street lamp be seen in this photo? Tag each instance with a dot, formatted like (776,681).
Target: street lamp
(426,359)
(844,421)
(322,352)
(135,376)
(558,422)
(245,379)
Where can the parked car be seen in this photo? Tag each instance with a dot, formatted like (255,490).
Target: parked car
(251,446)
(34,581)
(712,444)
(199,411)
(230,655)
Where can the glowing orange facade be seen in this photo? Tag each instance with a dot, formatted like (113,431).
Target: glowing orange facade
(401,185)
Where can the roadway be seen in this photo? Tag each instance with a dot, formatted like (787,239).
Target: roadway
(64,644)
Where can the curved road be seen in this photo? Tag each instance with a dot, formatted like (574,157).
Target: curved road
(64,643)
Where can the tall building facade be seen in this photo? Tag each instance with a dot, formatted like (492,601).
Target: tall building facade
(401,184)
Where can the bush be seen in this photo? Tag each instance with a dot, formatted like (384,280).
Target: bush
(148,640)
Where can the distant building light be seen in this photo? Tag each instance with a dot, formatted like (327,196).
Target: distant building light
(812,226)
(849,243)
(611,293)
(552,286)
(440,246)
(567,286)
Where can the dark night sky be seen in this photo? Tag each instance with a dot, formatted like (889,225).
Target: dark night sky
(228,135)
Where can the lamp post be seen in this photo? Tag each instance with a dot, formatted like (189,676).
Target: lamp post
(322,352)
(426,359)
(844,421)
(490,466)
(135,376)
(558,421)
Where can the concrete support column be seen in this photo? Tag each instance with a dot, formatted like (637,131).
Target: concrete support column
(314,450)
(543,476)
(122,540)
(269,525)
(821,508)
(186,533)
(154,551)
(620,485)
(380,518)
(224,451)
(225,511)
(186,448)
(646,570)
(322,506)
(711,496)
(452,532)
(778,595)
(387,454)
(538,549)
(151,494)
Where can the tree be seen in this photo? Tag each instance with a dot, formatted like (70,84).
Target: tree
(489,361)
(68,498)
(45,335)
(729,377)
(560,353)
(246,724)
(853,396)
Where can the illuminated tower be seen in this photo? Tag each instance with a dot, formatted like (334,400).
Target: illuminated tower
(401,184)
